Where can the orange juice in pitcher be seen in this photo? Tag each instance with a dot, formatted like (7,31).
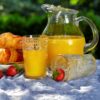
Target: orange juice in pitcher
(65,45)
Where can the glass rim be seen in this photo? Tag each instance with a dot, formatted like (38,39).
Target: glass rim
(35,36)
(52,8)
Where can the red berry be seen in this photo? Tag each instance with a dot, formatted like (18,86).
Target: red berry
(58,74)
(1,74)
(11,71)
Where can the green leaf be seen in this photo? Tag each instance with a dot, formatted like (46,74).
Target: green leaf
(73,2)
(55,74)
(18,67)
(41,1)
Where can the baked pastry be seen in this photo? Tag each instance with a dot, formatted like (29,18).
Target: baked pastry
(20,55)
(10,55)
(13,55)
(9,40)
(10,48)
(4,55)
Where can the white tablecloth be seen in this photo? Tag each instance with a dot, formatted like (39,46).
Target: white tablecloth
(20,88)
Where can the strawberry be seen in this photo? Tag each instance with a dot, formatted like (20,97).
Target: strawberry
(11,71)
(58,74)
(1,73)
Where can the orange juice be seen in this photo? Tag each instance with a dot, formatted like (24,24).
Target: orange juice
(35,56)
(35,62)
(65,45)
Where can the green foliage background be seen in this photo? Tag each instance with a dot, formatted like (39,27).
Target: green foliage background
(25,17)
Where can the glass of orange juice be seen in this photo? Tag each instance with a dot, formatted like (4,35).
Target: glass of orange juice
(35,56)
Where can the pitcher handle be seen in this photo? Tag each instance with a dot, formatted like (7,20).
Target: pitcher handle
(90,46)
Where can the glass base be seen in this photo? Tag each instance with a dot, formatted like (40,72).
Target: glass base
(34,77)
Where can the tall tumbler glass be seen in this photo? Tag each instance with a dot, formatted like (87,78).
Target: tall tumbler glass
(35,56)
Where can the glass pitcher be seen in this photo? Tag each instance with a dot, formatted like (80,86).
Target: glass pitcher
(65,36)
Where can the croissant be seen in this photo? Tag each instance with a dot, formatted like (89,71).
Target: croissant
(10,55)
(4,55)
(9,40)
(20,55)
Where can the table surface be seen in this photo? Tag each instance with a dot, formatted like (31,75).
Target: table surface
(20,88)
